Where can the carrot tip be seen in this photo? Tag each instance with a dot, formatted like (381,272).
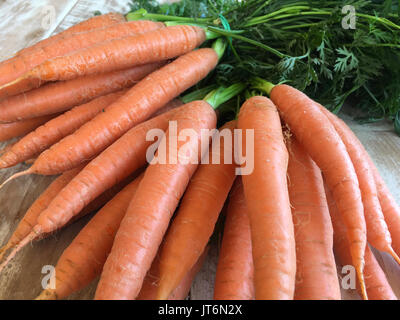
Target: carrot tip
(3,164)
(19,174)
(362,284)
(30,161)
(5,259)
(47,295)
(394,255)
(3,250)
(162,294)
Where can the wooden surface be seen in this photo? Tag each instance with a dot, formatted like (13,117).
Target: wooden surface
(20,26)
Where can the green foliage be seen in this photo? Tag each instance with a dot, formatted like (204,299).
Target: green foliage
(303,43)
(346,61)
(186,8)
(397,123)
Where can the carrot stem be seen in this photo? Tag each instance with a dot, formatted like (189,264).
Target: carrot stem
(264,18)
(221,95)
(219,46)
(261,84)
(244,39)
(197,94)
(209,34)
(143,14)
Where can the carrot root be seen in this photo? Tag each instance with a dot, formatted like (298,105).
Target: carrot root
(316,133)
(47,294)
(4,250)
(394,255)
(14,176)
(15,249)
(363,289)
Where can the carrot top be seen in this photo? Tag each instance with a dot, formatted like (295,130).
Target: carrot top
(198,94)
(221,95)
(303,43)
(261,84)
(142,13)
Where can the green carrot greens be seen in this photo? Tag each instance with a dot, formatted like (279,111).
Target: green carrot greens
(304,44)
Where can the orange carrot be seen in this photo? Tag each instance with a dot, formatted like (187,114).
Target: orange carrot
(143,227)
(111,55)
(267,199)
(112,166)
(104,197)
(378,287)
(84,258)
(7,147)
(173,104)
(316,275)
(56,129)
(198,212)
(376,283)
(95,22)
(64,95)
(390,208)
(41,203)
(137,105)
(150,283)
(378,234)
(25,62)
(234,277)
(20,128)
(25,227)
(314,131)
(30,161)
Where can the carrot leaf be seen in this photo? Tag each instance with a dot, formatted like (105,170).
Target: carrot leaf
(310,44)
(397,123)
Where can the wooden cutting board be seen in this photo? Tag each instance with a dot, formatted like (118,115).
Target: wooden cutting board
(23,23)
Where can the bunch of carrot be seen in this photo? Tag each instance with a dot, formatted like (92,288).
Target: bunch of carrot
(83,103)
